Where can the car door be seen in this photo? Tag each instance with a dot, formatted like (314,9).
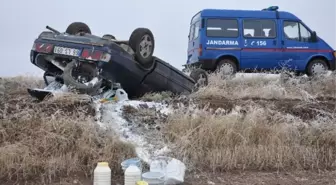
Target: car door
(297,44)
(262,47)
(194,42)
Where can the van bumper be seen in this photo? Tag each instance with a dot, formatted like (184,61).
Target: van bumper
(332,65)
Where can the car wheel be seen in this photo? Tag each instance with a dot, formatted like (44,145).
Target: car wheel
(226,67)
(82,78)
(76,28)
(109,37)
(200,76)
(142,42)
(317,67)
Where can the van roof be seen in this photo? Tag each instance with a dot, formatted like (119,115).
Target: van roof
(247,14)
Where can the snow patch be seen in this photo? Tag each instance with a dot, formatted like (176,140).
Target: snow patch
(110,116)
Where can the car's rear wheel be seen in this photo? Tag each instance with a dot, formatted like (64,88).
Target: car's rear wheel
(142,42)
(76,28)
(83,77)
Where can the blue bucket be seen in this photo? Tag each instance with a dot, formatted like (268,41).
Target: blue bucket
(133,161)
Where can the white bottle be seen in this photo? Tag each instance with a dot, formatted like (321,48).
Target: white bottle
(132,175)
(102,174)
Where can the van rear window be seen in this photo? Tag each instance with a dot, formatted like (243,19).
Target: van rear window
(222,28)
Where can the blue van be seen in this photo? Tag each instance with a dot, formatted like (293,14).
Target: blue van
(256,40)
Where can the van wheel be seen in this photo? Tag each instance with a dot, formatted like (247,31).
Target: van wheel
(317,67)
(226,67)
(200,76)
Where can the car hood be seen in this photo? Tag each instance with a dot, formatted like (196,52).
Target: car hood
(87,39)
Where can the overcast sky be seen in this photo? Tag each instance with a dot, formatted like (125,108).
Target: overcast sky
(22,21)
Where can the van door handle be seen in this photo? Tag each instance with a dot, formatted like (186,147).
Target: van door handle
(193,43)
(274,42)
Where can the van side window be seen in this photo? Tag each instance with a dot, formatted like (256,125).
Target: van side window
(294,30)
(259,28)
(191,32)
(222,28)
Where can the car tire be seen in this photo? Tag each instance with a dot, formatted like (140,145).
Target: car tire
(142,36)
(230,67)
(82,88)
(200,77)
(78,27)
(109,37)
(314,65)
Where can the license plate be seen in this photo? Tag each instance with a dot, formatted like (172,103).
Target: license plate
(66,51)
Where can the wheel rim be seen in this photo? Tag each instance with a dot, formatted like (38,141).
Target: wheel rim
(318,68)
(146,45)
(81,75)
(226,69)
(201,82)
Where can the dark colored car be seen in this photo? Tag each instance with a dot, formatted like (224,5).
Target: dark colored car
(87,62)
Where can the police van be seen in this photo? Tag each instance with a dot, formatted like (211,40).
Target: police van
(256,40)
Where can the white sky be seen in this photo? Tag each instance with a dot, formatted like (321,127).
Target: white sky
(22,21)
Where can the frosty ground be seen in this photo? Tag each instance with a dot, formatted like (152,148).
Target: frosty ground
(252,129)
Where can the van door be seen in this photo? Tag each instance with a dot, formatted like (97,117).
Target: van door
(194,42)
(261,45)
(297,47)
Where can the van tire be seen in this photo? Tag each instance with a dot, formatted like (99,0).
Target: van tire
(316,63)
(196,75)
(230,64)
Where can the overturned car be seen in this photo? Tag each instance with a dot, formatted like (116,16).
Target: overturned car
(92,65)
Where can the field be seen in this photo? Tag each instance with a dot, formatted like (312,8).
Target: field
(252,129)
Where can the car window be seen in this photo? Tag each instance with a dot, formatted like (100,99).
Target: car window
(191,32)
(222,28)
(259,28)
(196,29)
(291,30)
(305,34)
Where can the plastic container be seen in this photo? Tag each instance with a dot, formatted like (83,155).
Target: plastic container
(132,175)
(175,172)
(102,174)
(154,178)
(142,183)
(135,161)
(159,165)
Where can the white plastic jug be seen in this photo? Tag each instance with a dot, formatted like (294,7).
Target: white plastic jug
(102,174)
(132,175)
(175,172)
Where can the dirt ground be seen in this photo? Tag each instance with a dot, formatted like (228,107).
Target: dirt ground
(230,178)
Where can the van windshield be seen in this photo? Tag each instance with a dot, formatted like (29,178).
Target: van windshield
(222,28)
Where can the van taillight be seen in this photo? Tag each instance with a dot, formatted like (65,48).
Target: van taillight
(200,50)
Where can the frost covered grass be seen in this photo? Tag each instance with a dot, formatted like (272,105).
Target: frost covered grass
(259,130)
(42,142)
(263,86)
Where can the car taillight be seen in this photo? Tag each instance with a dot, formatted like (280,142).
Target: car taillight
(200,50)
(95,55)
(42,48)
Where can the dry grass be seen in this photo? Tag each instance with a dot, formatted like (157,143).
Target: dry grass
(42,142)
(262,86)
(255,136)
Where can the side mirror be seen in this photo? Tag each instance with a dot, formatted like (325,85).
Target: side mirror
(314,37)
